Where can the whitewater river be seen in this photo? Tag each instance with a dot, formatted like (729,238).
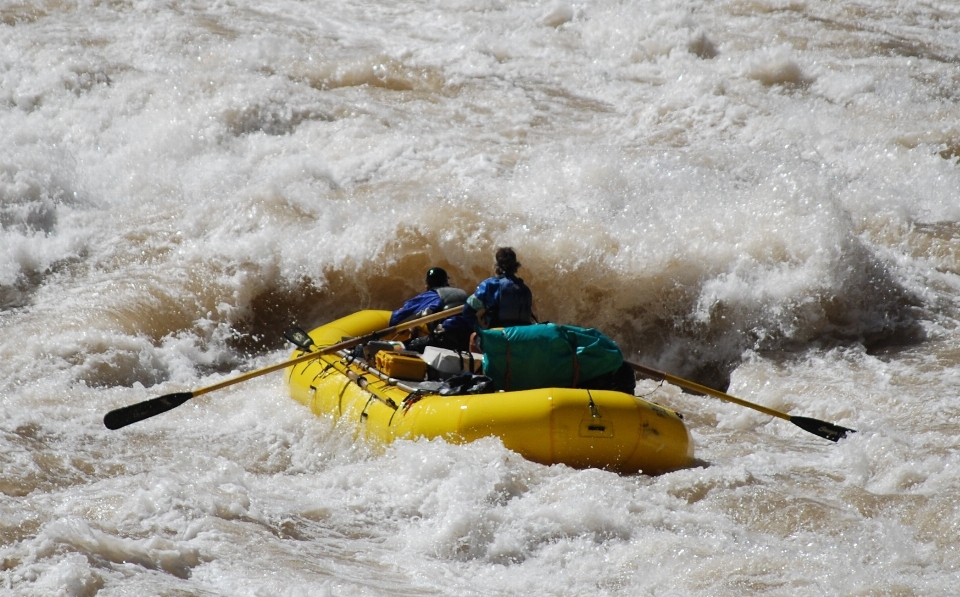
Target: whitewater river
(760,195)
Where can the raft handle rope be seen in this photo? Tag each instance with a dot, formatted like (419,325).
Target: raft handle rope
(651,392)
(594,412)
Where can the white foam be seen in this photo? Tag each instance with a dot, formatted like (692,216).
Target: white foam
(770,189)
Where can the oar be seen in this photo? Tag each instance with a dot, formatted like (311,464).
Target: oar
(122,417)
(815,426)
(299,338)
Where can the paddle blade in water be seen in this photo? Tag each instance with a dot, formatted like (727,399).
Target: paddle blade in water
(115,419)
(822,428)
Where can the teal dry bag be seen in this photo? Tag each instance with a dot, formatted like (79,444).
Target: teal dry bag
(546,355)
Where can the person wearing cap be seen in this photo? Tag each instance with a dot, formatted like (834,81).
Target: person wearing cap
(502,300)
(452,332)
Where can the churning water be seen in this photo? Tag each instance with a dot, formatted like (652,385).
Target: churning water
(762,195)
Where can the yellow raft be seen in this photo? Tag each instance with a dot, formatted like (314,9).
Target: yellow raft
(576,427)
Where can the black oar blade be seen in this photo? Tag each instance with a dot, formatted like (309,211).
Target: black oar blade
(825,430)
(115,419)
(299,337)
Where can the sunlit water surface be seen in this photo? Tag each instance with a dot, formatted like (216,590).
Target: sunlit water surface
(761,195)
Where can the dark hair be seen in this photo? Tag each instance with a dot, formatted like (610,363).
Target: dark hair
(507,261)
(437,278)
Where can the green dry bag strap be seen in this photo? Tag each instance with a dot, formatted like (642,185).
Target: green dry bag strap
(572,341)
(507,375)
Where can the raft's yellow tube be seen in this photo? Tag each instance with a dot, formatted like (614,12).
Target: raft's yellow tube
(577,427)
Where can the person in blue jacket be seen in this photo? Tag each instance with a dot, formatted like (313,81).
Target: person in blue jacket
(453,332)
(503,300)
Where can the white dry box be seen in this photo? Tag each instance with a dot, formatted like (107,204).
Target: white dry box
(451,362)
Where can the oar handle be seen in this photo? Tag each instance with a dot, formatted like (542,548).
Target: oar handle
(133,413)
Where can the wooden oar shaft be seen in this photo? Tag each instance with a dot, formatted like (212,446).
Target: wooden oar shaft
(332,349)
(693,386)
(815,426)
(133,413)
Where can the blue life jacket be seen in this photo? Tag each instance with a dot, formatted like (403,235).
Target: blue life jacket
(515,303)
(425,301)
(433,301)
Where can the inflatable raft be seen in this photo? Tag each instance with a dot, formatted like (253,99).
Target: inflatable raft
(580,428)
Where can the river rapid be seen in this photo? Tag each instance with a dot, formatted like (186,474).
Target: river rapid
(759,195)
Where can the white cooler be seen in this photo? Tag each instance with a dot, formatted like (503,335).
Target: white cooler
(451,362)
